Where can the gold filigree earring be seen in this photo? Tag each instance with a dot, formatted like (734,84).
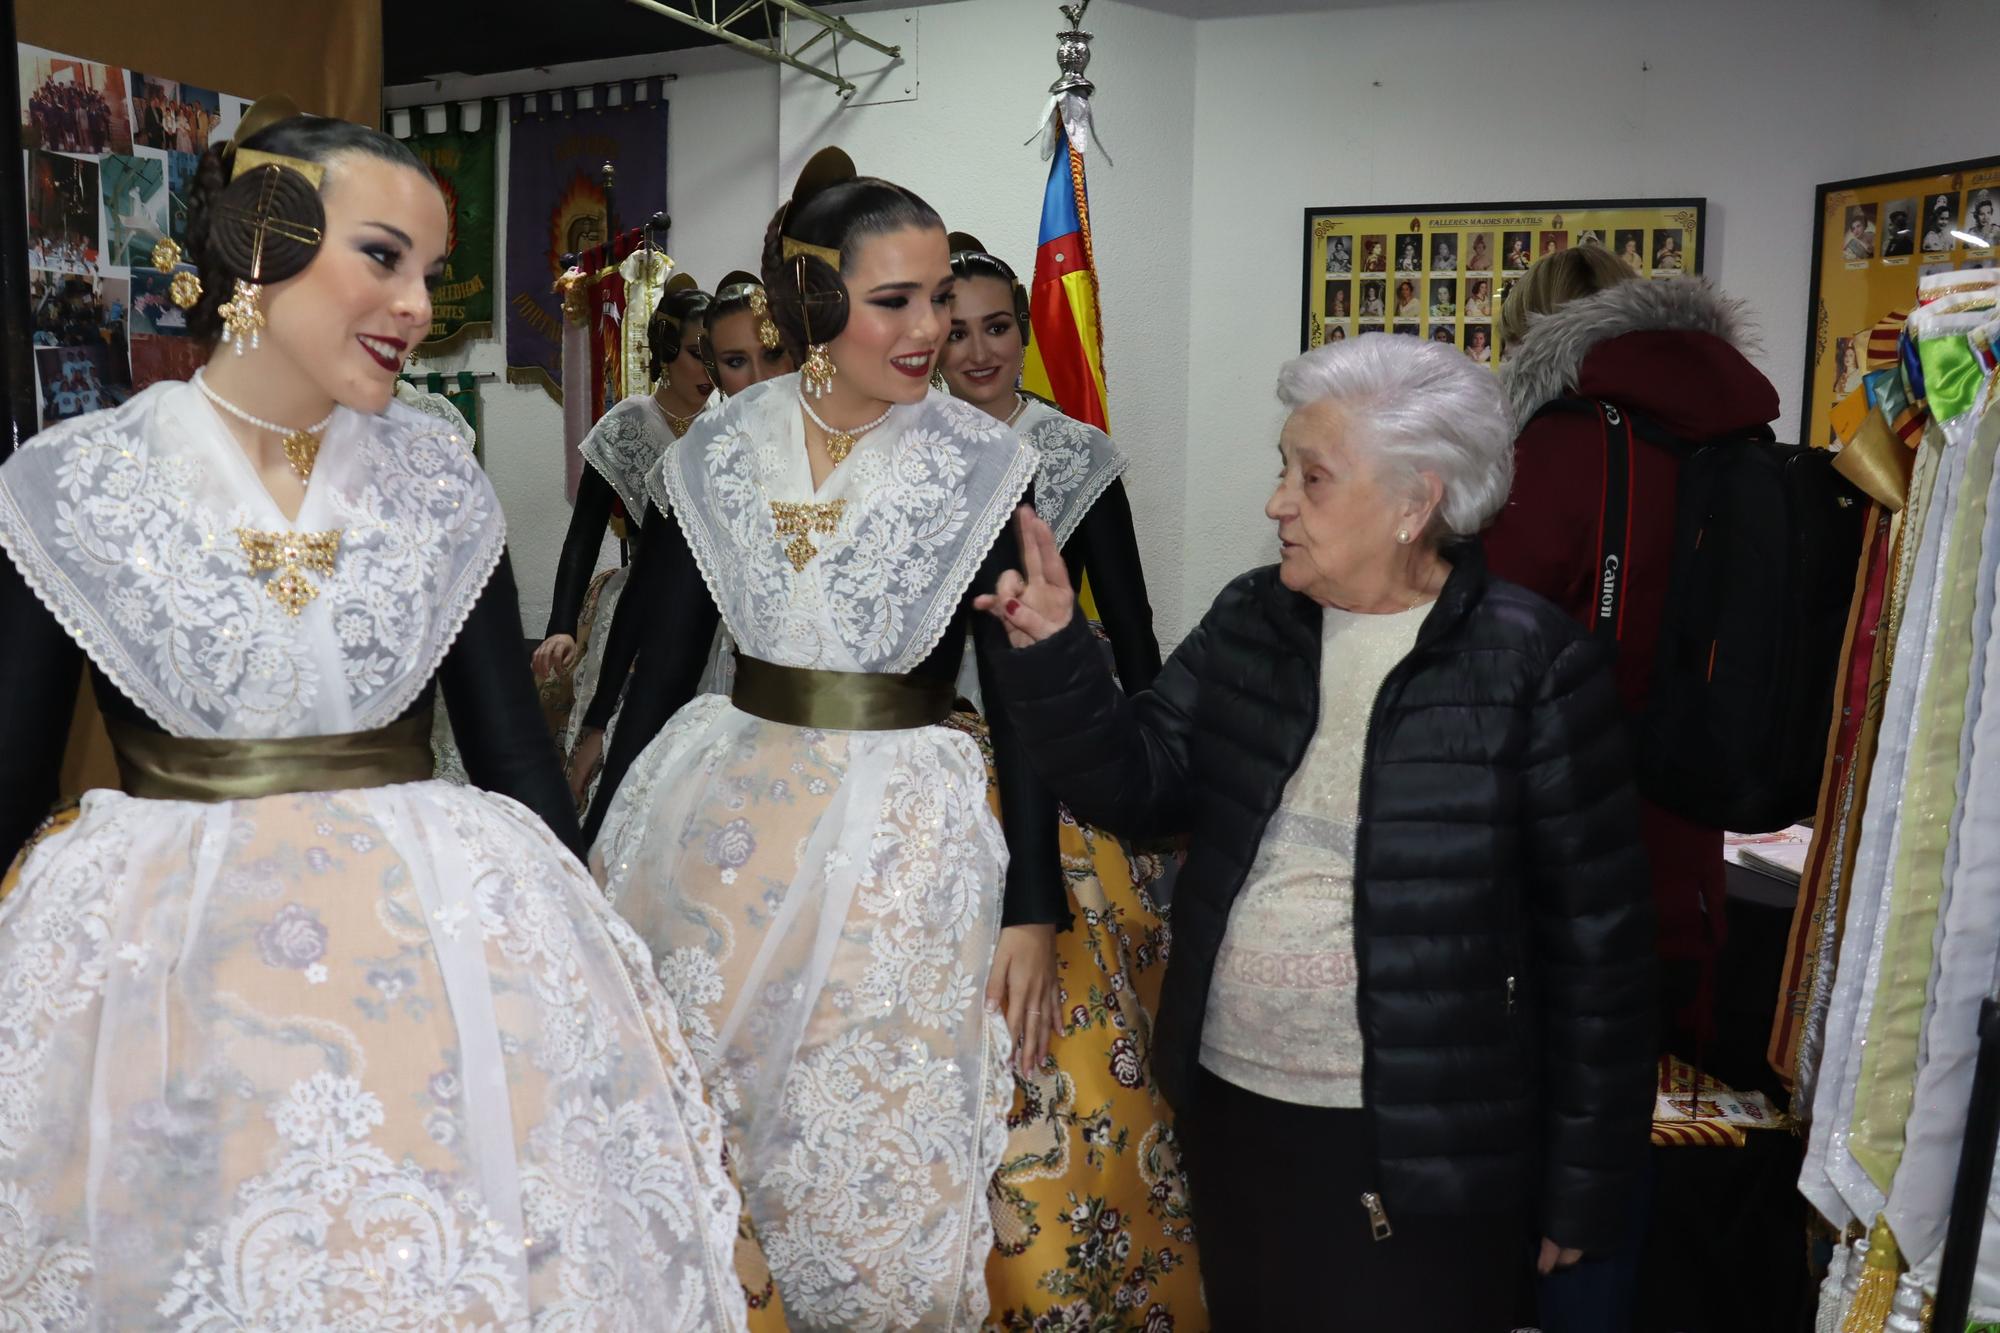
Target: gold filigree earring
(242,319)
(816,375)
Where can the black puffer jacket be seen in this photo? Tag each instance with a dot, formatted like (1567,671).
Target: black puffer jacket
(1503,928)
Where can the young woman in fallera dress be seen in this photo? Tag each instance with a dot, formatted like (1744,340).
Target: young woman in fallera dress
(295,1036)
(1092,1153)
(732,358)
(618,453)
(812,858)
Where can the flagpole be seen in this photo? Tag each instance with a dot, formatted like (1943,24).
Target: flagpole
(17,355)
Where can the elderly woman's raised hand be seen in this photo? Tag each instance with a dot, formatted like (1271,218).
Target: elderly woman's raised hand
(1037,601)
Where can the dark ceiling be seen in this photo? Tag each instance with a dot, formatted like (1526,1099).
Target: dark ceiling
(493,36)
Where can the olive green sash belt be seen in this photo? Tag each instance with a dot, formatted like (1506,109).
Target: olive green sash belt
(158,767)
(839,700)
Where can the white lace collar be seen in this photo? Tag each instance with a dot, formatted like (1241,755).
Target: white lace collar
(922,498)
(125,522)
(625,444)
(1078,465)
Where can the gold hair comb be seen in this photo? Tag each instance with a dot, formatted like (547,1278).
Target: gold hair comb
(249,159)
(792,249)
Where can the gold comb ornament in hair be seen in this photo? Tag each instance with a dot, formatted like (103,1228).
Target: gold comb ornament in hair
(828,167)
(767,328)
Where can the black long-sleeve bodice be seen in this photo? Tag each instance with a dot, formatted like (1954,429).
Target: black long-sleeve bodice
(588,518)
(1105,547)
(621,646)
(487,688)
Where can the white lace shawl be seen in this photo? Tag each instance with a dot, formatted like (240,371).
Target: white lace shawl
(1079,463)
(927,494)
(625,444)
(124,522)
(439,406)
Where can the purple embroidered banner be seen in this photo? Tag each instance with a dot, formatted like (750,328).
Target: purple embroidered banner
(555,205)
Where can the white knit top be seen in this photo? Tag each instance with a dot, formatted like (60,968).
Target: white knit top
(1282,1018)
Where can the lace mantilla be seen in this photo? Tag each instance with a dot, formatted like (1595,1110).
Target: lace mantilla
(627,443)
(1079,463)
(926,494)
(124,523)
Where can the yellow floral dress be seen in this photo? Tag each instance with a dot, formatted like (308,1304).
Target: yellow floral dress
(1090,1213)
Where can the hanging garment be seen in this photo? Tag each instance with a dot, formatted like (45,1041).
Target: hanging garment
(350,1048)
(1875,460)
(1902,968)
(1890,907)
(578,406)
(1826,1150)
(645,271)
(1920,1198)
(824,899)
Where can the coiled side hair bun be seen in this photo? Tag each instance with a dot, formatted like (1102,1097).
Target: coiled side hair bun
(831,212)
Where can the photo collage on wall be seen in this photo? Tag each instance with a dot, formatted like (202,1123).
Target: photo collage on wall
(1442,272)
(110,159)
(1876,238)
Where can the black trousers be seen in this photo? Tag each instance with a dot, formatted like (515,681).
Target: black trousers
(1286,1243)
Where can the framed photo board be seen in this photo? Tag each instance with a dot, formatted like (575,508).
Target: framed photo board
(1872,239)
(1440,271)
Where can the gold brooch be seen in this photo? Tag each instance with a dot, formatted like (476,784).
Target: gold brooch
(800,522)
(290,554)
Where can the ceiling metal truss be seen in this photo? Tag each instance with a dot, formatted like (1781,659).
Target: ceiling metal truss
(766,28)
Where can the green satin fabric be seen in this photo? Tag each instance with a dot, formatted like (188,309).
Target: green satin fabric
(1887,1084)
(1953,376)
(839,700)
(157,767)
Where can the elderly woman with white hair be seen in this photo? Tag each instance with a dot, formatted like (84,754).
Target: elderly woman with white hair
(1408,1017)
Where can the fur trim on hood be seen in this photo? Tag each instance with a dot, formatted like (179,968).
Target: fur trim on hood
(1551,356)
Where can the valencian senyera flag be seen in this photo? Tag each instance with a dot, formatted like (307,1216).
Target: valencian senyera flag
(1065,361)
(462,160)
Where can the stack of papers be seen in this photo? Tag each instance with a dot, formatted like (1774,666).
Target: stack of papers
(1781,855)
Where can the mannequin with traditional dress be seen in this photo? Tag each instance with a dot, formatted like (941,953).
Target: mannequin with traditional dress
(1087,1131)
(733,358)
(296,1036)
(812,858)
(617,453)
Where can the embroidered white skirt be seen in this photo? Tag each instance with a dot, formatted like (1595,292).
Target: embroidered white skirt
(823,907)
(373,1059)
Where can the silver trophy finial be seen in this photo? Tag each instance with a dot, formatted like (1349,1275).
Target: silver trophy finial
(1073,53)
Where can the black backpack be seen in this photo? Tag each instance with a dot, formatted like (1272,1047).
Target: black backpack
(1767,537)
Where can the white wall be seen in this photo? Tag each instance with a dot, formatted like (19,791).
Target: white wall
(1748,102)
(722,184)
(1225,128)
(983,77)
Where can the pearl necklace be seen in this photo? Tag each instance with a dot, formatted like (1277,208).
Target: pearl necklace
(840,443)
(1020,406)
(301,446)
